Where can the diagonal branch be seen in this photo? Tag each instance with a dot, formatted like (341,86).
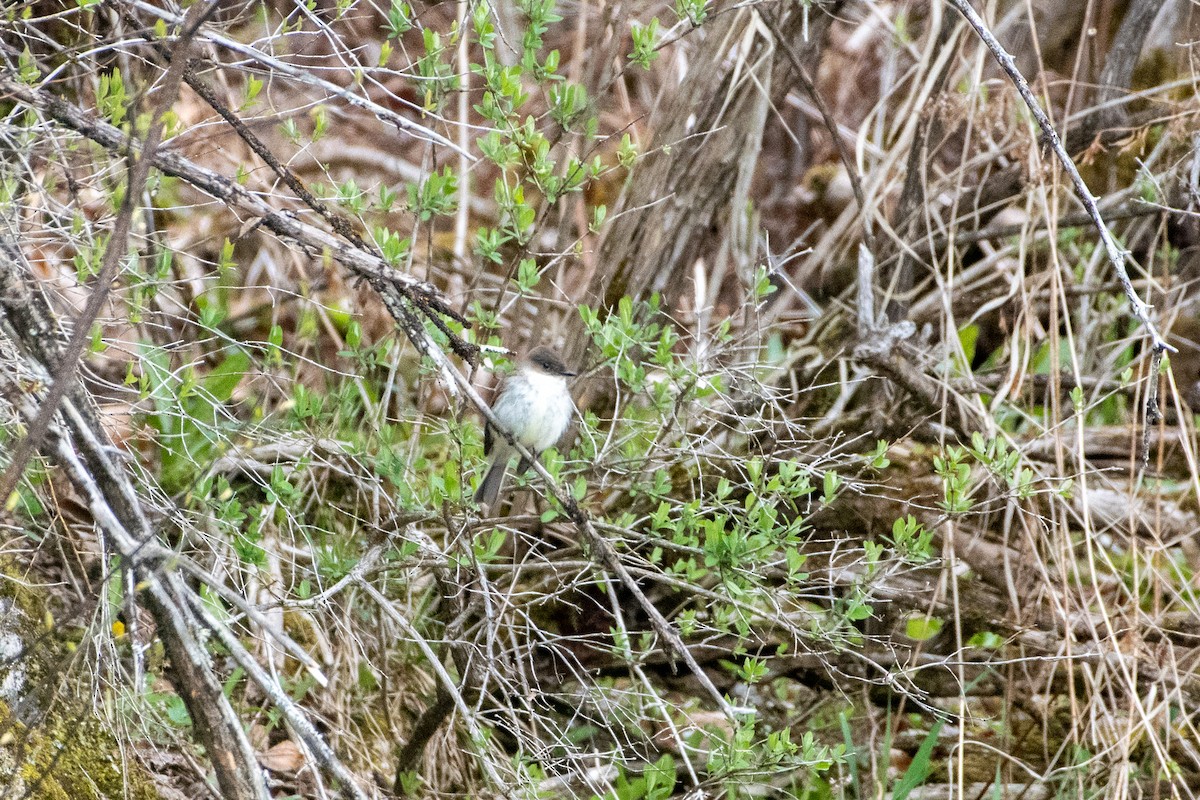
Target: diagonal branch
(77,444)
(367,265)
(79,450)
(396,290)
(1116,257)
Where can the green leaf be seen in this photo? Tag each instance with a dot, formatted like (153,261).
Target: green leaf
(27,67)
(920,767)
(923,628)
(968,335)
(253,87)
(857,611)
(527,275)
(399,19)
(177,712)
(986,640)
(645,39)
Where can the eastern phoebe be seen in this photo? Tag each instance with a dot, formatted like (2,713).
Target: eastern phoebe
(535,406)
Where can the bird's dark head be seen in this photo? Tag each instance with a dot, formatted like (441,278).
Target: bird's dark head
(547,360)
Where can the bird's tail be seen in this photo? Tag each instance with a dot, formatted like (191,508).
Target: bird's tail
(489,487)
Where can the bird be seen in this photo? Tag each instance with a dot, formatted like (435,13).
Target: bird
(535,406)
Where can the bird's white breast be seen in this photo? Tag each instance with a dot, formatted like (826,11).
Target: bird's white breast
(535,407)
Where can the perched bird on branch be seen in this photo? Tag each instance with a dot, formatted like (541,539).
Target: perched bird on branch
(534,405)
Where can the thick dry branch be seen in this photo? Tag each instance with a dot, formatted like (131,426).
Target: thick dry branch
(78,444)
(106,494)
(687,197)
(1123,57)
(427,725)
(886,355)
(1114,447)
(297,720)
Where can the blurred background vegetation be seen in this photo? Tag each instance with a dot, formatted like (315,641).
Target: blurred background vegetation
(866,426)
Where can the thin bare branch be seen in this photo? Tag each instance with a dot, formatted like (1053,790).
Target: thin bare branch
(1116,257)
